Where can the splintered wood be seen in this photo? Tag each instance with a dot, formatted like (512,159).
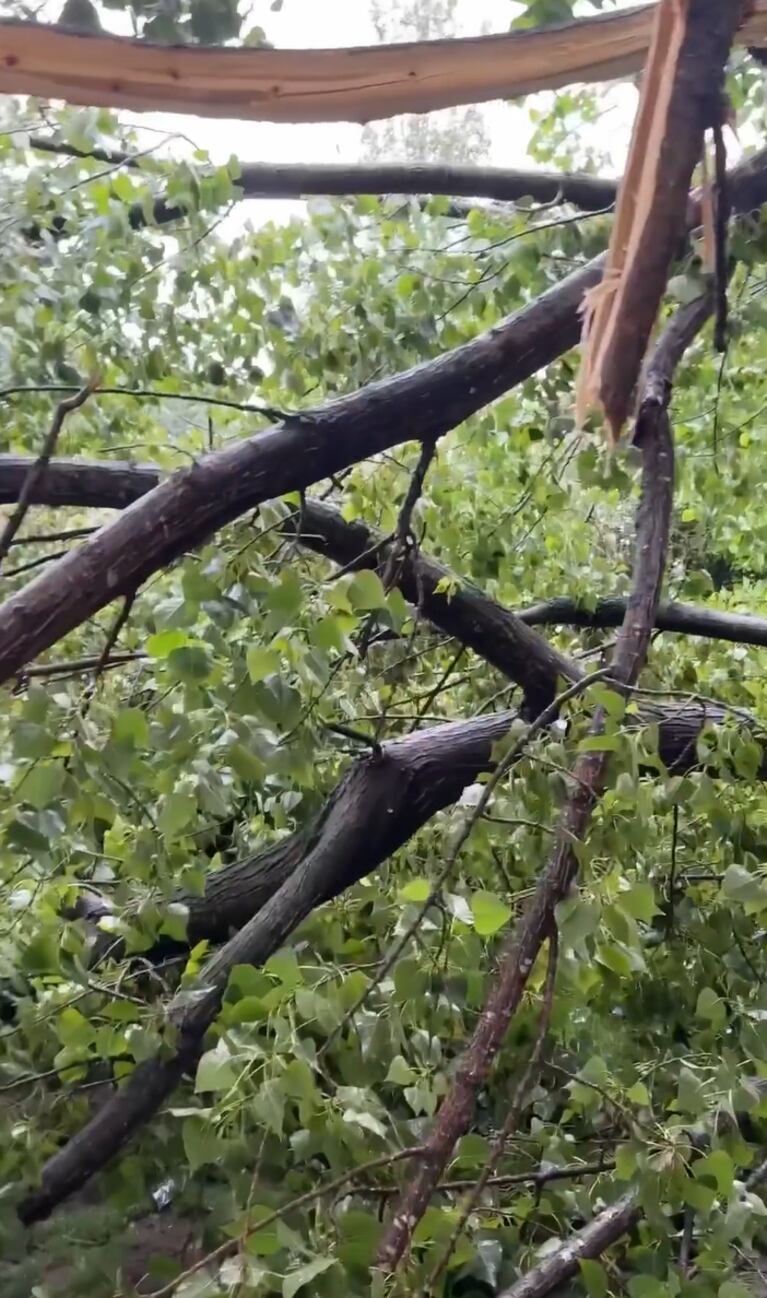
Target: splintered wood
(681,92)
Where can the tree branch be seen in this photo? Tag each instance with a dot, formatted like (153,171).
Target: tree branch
(186,509)
(689,619)
(302,180)
(36,469)
(325,85)
(590,1242)
(653,436)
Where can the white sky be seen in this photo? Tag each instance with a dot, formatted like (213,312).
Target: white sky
(316,23)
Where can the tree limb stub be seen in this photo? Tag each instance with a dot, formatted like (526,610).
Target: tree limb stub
(520,951)
(356,85)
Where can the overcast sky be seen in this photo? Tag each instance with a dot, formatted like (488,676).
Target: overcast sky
(316,23)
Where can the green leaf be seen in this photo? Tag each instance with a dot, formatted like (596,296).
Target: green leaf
(400,1072)
(416,890)
(202,1143)
(639,902)
(295,1280)
(366,590)
(131,727)
(576,920)
(262,663)
(490,913)
(43,785)
(216,1070)
(594,1277)
(717,1166)
(163,644)
(178,810)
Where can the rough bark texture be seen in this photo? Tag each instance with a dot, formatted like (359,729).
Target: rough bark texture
(186,509)
(377,806)
(519,953)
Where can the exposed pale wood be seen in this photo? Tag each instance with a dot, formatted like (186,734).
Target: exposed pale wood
(326,85)
(682,89)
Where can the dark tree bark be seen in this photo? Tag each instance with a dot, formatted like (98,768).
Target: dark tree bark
(689,619)
(302,180)
(187,508)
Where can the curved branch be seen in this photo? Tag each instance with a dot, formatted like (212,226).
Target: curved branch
(326,85)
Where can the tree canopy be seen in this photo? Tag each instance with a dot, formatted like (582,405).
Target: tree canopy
(382,758)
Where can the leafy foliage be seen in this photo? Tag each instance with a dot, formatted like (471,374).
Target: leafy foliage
(215,739)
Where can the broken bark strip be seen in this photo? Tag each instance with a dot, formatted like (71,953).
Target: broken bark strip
(681,91)
(653,436)
(590,1242)
(688,619)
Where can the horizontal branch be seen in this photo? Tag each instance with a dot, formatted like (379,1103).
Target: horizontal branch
(465,612)
(590,1242)
(689,619)
(303,180)
(354,85)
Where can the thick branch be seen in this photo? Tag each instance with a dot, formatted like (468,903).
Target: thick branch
(186,509)
(689,619)
(302,180)
(325,85)
(590,1242)
(182,512)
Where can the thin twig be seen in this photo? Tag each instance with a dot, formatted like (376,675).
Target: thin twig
(310,1196)
(37,470)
